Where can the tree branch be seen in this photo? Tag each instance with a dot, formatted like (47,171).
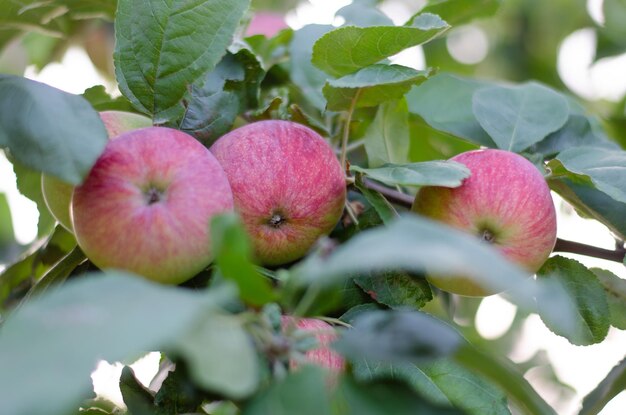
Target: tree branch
(562,245)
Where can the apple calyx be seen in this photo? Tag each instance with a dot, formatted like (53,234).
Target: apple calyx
(277,220)
(154,195)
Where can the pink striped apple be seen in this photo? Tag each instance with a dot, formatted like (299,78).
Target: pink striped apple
(58,194)
(506,202)
(322,355)
(147,203)
(287,186)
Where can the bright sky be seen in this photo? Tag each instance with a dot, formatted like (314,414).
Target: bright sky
(581,367)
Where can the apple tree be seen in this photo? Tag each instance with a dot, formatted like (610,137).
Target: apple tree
(413,194)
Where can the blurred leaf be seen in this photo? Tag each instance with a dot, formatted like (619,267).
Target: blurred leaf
(347,49)
(427,173)
(457,12)
(29,128)
(614,12)
(587,296)
(397,336)
(13,58)
(519,116)
(371,86)
(304,392)
(29,185)
(137,397)
(363,13)
(113,316)
(233,251)
(162,48)
(8,246)
(100,100)
(444,101)
(396,289)
(615,288)
(385,210)
(178,393)
(387,138)
(443,382)
(220,355)
(611,386)
(58,273)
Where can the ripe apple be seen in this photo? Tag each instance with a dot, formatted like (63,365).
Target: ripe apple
(58,194)
(287,185)
(266,23)
(147,203)
(506,202)
(322,355)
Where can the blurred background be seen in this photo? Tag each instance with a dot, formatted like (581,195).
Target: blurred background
(577,46)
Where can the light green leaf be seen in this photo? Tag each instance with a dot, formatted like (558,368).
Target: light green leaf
(364,13)
(611,386)
(387,139)
(348,49)
(615,288)
(587,297)
(457,12)
(163,47)
(519,116)
(426,173)
(49,130)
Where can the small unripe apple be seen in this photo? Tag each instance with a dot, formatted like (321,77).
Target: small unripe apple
(147,204)
(287,185)
(58,194)
(505,202)
(322,355)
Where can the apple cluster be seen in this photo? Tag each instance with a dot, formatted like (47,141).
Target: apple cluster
(147,203)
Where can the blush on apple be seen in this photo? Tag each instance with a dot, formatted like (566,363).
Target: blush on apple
(147,203)
(287,183)
(58,194)
(322,355)
(505,202)
(266,23)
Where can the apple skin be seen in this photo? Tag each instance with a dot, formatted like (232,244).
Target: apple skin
(58,194)
(325,334)
(147,204)
(287,183)
(505,201)
(266,23)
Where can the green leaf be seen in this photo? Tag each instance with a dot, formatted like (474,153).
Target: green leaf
(443,382)
(519,116)
(611,386)
(457,12)
(606,168)
(587,296)
(444,101)
(615,288)
(29,185)
(363,13)
(138,398)
(371,86)
(387,138)
(59,272)
(8,246)
(397,336)
(163,47)
(220,355)
(49,130)
(178,393)
(233,252)
(614,12)
(383,208)
(347,49)
(396,289)
(304,392)
(100,100)
(114,316)
(426,173)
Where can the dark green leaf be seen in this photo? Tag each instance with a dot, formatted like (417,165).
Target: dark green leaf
(29,185)
(114,316)
(100,100)
(49,130)
(58,273)
(137,397)
(8,246)
(304,392)
(397,336)
(444,101)
(396,289)
(427,173)
(457,12)
(615,288)
(371,86)
(363,13)
(612,385)
(519,116)
(587,297)
(387,138)
(163,47)
(348,49)
(233,252)
(385,210)
(220,356)
(178,393)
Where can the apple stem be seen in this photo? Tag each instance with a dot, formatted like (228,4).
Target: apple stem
(346,131)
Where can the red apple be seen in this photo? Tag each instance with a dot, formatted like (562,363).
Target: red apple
(58,194)
(322,355)
(266,23)
(505,201)
(147,203)
(287,185)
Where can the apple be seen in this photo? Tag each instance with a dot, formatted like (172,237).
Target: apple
(266,23)
(288,186)
(505,202)
(147,203)
(322,355)
(58,194)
